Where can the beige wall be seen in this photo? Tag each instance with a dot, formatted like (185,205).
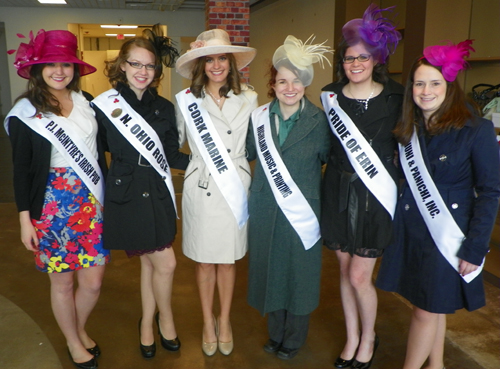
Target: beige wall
(22,20)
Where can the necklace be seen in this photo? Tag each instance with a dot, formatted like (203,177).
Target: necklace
(217,101)
(363,101)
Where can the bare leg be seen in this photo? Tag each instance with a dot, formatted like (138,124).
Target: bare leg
(206,278)
(86,296)
(349,305)
(63,306)
(226,276)
(424,325)
(148,301)
(156,290)
(360,274)
(436,357)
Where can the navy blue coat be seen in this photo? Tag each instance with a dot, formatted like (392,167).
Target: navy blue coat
(465,166)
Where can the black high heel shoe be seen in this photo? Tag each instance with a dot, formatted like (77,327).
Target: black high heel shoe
(342,363)
(170,345)
(359,365)
(149,351)
(91,364)
(96,351)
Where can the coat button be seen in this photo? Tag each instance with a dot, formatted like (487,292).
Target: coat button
(163,178)
(228,150)
(407,207)
(157,112)
(229,132)
(118,182)
(145,194)
(208,193)
(443,157)
(454,205)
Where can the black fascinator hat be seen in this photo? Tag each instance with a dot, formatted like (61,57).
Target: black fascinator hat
(163,45)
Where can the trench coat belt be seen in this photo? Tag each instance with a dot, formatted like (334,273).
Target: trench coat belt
(132,159)
(203,179)
(345,192)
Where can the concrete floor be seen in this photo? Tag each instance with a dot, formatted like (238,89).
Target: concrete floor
(30,338)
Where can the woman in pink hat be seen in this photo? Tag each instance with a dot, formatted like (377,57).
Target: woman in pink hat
(447,206)
(59,183)
(214,114)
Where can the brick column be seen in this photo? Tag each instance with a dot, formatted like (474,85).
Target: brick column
(234,18)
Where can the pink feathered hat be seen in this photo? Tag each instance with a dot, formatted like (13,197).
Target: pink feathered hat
(450,57)
(55,46)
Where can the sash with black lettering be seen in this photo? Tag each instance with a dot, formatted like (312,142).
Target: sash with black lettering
(138,133)
(68,143)
(445,232)
(214,154)
(362,157)
(286,192)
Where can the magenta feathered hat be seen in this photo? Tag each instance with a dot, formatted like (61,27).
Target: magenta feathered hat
(56,46)
(450,57)
(377,33)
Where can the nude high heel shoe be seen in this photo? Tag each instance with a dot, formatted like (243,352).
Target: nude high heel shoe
(225,348)
(210,348)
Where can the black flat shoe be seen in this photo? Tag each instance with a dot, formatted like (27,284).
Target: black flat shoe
(341,363)
(91,364)
(286,353)
(272,346)
(359,365)
(96,351)
(170,345)
(149,351)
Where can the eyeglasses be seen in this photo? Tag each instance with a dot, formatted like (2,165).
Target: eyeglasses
(136,65)
(361,58)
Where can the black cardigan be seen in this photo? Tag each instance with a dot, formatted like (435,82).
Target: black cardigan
(31,158)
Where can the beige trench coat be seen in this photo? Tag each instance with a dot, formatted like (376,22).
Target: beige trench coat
(210,233)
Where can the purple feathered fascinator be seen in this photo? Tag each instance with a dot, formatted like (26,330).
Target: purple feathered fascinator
(377,33)
(450,57)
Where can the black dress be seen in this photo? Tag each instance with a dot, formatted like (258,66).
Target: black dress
(352,219)
(139,212)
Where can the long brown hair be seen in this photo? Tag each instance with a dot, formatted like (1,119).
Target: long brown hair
(200,79)
(38,93)
(452,114)
(113,67)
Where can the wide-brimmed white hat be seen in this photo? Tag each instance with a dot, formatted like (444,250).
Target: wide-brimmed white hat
(214,41)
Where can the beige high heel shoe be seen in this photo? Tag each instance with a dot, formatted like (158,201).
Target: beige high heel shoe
(225,348)
(210,348)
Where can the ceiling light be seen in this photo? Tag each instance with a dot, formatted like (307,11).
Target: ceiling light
(52,2)
(116,26)
(116,34)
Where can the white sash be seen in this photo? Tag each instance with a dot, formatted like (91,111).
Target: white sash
(363,158)
(440,223)
(138,133)
(68,143)
(286,192)
(214,154)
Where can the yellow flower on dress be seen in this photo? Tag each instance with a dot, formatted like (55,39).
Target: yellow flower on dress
(55,264)
(85,260)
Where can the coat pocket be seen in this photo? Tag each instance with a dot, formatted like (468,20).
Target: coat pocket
(119,183)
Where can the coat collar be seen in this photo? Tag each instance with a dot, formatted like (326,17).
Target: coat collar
(230,109)
(309,119)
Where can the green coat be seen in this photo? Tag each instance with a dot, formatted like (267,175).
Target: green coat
(282,274)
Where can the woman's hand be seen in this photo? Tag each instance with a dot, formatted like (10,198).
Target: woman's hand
(28,233)
(464,267)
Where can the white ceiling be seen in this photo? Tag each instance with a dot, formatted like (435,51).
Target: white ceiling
(162,5)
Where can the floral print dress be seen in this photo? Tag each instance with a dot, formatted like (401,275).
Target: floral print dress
(70,228)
